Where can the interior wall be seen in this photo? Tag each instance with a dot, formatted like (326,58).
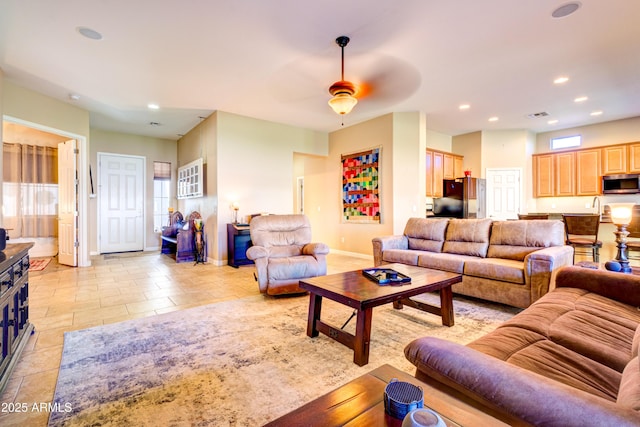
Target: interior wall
(409,187)
(607,133)
(469,145)
(355,238)
(49,114)
(253,167)
(201,141)
(438,140)
(152,149)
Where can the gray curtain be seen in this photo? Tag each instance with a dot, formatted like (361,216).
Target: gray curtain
(30,190)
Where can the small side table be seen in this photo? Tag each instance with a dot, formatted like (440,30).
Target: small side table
(238,241)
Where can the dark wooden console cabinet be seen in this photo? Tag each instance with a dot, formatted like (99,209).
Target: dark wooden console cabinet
(238,241)
(15,327)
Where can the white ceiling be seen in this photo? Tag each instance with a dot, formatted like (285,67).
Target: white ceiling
(275,60)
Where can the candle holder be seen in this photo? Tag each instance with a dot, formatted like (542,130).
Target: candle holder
(621,217)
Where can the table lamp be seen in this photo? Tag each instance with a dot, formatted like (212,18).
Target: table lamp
(621,216)
(236,208)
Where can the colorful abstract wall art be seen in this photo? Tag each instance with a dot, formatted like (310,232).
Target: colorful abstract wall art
(361,186)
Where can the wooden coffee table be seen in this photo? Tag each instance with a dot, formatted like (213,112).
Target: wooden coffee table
(361,403)
(354,290)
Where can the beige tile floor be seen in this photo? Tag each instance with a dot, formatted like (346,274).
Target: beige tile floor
(113,289)
(117,288)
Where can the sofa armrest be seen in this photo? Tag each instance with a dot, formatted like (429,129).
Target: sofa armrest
(541,266)
(522,397)
(381,244)
(618,286)
(315,249)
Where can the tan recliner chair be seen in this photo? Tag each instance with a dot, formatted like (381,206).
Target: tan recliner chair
(283,253)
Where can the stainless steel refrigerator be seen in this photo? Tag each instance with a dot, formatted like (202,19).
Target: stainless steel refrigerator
(462,198)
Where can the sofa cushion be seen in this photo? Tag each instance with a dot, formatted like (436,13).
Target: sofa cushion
(426,234)
(582,322)
(504,270)
(532,351)
(404,256)
(468,237)
(442,261)
(629,393)
(636,343)
(516,239)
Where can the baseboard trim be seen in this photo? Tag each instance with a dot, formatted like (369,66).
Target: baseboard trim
(353,254)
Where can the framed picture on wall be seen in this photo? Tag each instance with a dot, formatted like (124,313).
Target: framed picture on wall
(361,186)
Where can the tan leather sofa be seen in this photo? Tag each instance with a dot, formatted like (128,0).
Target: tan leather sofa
(510,262)
(283,253)
(570,359)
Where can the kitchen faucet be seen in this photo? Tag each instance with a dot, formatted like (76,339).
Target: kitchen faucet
(593,204)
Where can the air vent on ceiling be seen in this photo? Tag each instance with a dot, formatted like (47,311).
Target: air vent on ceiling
(538,115)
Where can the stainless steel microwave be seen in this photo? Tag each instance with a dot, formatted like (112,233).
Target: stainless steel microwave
(621,184)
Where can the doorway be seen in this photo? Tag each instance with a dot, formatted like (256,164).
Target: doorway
(121,201)
(21,131)
(503,192)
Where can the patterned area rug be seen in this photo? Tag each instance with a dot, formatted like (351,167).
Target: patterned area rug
(39,264)
(238,363)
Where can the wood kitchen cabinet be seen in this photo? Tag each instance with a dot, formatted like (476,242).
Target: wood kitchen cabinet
(634,158)
(588,181)
(554,174)
(614,159)
(565,166)
(441,165)
(543,175)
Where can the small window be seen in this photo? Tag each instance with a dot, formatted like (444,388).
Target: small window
(566,142)
(161,188)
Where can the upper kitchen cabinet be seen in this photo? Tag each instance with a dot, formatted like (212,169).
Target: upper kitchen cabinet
(565,167)
(441,165)
(588,181)
(634,157)
(543,175)
(614,159)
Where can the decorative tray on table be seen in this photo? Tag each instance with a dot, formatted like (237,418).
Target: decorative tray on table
(386,276)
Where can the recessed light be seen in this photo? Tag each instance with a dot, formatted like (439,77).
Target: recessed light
(581,99)
(74,97)
(89,33)
(596,113)
(464,106)
(153,106)
(566,9)
(552,122)
(561,80)
(493,119)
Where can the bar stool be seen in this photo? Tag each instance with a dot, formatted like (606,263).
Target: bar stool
(581,232)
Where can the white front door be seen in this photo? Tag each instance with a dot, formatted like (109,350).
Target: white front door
(67,203)
(121,201)
(503,193)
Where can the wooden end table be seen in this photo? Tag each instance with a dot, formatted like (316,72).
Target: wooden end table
(354,290)
(361,403)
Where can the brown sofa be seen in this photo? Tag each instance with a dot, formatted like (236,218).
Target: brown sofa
(571,359)
(511,262)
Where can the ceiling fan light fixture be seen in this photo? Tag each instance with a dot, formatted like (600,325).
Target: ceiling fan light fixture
(342,103)
(342,91)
